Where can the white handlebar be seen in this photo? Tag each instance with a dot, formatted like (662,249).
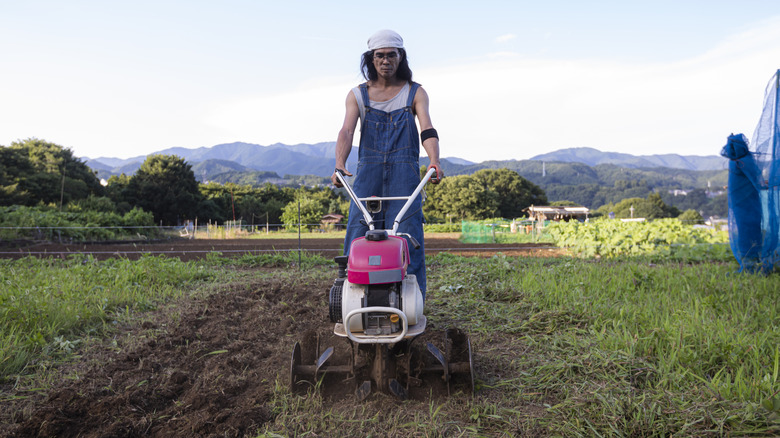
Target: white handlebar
(409,200)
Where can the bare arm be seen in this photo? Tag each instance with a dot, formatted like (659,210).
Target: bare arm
(431,145)
(346,137)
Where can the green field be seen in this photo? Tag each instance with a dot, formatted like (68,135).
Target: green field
(563,346)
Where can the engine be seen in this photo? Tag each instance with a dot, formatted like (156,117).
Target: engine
(381,323)
(374,276)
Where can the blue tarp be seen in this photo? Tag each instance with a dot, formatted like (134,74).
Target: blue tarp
(754,189)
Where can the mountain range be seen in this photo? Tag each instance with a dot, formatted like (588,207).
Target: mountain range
(279,160)
(594,157)
(303,159)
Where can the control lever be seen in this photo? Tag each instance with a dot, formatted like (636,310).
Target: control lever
(414,241)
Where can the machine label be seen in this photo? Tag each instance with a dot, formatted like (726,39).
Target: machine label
(388,276)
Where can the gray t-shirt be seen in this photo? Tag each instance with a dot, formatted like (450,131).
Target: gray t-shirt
(397,102)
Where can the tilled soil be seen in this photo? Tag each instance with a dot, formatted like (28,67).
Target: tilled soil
(200,367)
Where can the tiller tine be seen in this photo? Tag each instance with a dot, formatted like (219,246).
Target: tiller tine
(443,361)
(363,391)
(455,364)
(296,374)
(386,368)
(398,390)
(301,374)
(321,361)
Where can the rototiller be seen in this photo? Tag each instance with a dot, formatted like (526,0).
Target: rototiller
(378,307)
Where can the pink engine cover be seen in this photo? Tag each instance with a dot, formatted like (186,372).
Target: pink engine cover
(377,262)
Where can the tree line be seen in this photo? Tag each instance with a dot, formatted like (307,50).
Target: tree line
(604,184)
(35,172)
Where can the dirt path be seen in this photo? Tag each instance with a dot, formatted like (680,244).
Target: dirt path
(197,248)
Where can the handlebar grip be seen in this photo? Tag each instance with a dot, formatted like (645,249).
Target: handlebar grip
(414,241)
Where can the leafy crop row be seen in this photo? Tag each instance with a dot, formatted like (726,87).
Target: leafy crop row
(663,237)
(20,222)
(442,228)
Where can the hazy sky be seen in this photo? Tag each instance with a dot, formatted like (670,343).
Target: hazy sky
(507,79)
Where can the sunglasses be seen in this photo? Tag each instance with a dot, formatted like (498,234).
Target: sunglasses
(390,56)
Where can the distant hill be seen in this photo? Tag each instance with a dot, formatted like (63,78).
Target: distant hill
(303,159)
(206,170)
(594,157)
(576,173)
(252,177)
(585,176)
(594,186)
(458,161)
(227,162)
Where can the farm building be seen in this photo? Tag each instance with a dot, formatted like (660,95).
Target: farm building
(549,213)
(332,220)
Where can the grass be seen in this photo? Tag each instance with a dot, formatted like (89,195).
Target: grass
(259,233)
(272,260)
(624,347)
(562,346)
(47,305)
(573,347)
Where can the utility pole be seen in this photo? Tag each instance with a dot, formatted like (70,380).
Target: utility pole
(62,188)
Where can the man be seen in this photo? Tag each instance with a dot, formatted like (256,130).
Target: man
(388,162)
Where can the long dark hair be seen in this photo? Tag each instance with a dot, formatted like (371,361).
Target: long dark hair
(370,73)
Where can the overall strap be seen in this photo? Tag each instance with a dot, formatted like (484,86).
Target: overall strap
(412,91)
(364,93)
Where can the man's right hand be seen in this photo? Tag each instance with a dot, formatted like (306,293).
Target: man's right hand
(335,180)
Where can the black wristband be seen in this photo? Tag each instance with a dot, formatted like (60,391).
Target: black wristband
(428,133)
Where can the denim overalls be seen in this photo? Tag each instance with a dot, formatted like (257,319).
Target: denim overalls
(389,165)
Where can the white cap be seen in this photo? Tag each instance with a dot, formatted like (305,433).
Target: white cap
(385,39)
